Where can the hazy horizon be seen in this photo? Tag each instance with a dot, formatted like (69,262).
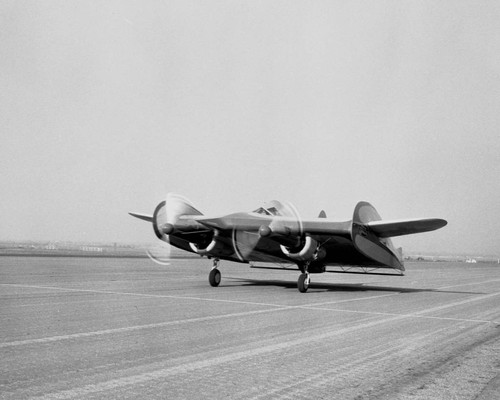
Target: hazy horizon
(106,107)
(158,247)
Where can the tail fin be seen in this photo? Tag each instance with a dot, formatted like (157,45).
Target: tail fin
(364,213)
(371,235)
(368,243)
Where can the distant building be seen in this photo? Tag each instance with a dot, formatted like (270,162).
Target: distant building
(91,248)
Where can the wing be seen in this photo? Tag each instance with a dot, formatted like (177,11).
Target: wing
(384,229)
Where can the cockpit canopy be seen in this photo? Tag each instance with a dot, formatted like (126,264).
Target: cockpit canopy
(276,208)
(273,211)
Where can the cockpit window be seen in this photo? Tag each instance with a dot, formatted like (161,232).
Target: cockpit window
(267,211)
(273,211)
(262,211)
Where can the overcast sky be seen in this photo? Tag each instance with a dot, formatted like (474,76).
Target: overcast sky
(107,106)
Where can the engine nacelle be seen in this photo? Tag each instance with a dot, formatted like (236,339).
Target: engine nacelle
(214,248)
(307,252)
(205,250)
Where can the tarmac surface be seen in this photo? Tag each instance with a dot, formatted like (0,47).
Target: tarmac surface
(90,328)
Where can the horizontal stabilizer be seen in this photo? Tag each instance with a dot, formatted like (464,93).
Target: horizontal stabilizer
(144,217)
(405,227)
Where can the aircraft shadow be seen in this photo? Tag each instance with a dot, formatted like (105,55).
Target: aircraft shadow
(339,287)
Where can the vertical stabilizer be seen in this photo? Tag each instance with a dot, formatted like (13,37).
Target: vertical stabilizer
(366,242)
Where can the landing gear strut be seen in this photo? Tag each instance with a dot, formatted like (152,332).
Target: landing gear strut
(214,276)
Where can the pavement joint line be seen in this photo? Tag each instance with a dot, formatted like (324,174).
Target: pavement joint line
(162,373)
(192,297)
(168,371)
(311,306)
(131,328)
(415,315)
(419,314)
(277,307)
(468,284)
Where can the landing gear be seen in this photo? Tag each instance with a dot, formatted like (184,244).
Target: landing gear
(304,277)
(214,276)
(303,282)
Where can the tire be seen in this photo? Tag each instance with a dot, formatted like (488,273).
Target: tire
(301,283)
(214,277)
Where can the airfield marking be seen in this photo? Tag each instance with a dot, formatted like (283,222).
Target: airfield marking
(129,328)
(195,365)
(418,314)
(468,284)
(186,297)
(192,366)
(277,307)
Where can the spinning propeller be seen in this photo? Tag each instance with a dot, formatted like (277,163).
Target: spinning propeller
(165,220)
(278,221)
(177,222)
(160,222)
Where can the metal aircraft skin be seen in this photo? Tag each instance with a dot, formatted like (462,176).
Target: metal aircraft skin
(275,233)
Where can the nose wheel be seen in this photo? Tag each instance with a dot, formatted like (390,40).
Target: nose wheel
(214,277)
(303,282)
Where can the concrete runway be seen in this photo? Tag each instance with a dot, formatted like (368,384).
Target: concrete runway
(128,328)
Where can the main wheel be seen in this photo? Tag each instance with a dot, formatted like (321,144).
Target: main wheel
(303,283)
(214,277)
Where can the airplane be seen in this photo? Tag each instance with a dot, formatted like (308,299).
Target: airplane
(274,233)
